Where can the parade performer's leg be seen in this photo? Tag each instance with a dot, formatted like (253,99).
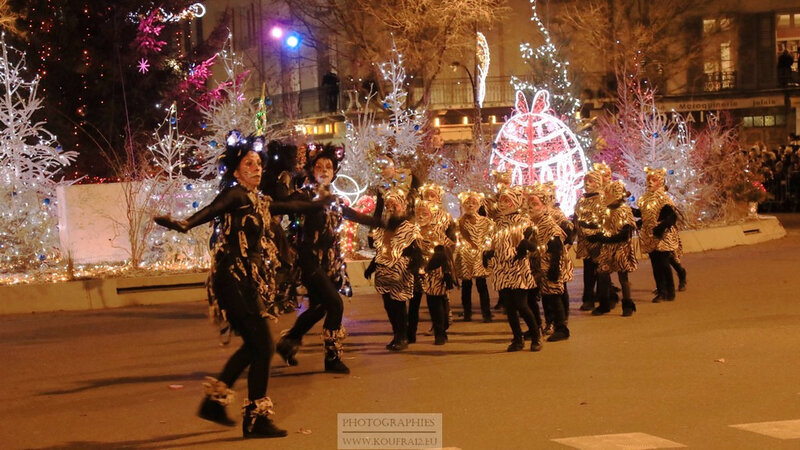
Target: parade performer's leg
(413,315)
(483,294)
(438,318)
(628,306)
(466,299)
(561,331)
(589,280)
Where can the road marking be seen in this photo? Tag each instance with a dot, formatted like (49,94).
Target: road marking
(783,429)
(627,441)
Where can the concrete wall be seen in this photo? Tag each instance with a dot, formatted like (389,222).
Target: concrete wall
(92,222)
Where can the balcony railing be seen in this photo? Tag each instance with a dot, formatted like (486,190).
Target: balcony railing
(719,81)
(456,93)
(453,93)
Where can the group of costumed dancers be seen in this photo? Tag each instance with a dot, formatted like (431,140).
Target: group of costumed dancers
(515,235)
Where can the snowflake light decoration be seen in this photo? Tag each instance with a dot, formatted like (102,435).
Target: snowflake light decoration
(144,66)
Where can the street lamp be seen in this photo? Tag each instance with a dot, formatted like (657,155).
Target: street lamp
(477,129)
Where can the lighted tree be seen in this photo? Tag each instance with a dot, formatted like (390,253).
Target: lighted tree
(30,161)
(548,71)
(640,135)
(167,190)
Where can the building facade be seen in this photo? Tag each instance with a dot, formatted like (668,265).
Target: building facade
(746,67)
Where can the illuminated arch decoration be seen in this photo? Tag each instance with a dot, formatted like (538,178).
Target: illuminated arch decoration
(538,147)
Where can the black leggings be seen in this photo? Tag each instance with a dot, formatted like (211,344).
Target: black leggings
(589,280)
(533,304)
(516,303)
(553,303)
(438,310)
(323,301)
(256,352)
(663,274)
(483,295)
(413,314)
(398,316)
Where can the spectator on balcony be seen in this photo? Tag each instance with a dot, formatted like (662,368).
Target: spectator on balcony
(785,62)
(330,85)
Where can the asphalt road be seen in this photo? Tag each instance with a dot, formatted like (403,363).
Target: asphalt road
(725,353)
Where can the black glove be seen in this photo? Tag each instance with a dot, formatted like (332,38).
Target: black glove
(370,269)
(522,250)
(552,273)
(408,251)
(487,255)
(449,282)
(658,231)
(595,238)
(172,224)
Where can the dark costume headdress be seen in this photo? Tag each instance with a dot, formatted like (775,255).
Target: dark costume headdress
(314,152)
(236,147)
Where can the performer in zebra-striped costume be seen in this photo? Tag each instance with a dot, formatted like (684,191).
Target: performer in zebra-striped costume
(507,259)
(397,259)
(473,236)
(617,252)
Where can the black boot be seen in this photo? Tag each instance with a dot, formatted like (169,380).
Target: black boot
(399,343)
(560,334)
(217,397)
(681,279)
(600,310)
(333,350)
(287,347)
(516,345)
(256,422)
(536,344)
(628,307)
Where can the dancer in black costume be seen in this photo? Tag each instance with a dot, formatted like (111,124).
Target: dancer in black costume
(242,281)
(324,273)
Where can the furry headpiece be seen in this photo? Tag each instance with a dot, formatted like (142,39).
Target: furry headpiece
(604,170)
(658,175)
(595,177)
(431,187)
(515,194)
(537,190)
(615,191)
(466,195)
(398,195)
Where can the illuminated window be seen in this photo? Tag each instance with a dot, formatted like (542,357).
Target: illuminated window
(758,121)
(436,122)
(784,21)
(465,120)
(747,121)
(769,121)
(493,118)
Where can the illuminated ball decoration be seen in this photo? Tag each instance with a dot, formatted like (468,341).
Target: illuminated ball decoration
(536,146)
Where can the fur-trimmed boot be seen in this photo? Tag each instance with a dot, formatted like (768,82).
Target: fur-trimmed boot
(218,396)
(333,350)
(287,347)
(628,307)
(256,422)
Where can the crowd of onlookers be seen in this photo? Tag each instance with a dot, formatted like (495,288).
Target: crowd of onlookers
(780,168)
